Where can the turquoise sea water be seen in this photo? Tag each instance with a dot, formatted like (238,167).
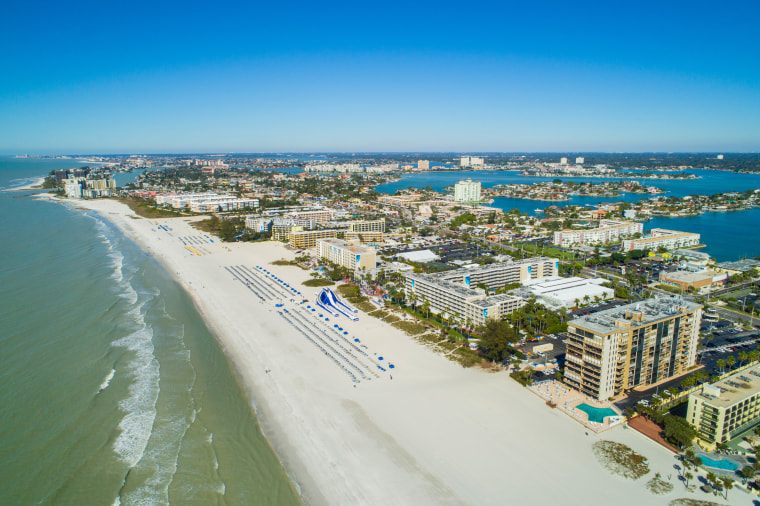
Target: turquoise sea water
(112,389)
(728,236)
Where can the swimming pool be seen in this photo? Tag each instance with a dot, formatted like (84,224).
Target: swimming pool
(596,414)
(726,465)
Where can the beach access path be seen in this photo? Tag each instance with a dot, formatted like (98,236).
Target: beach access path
(436,433)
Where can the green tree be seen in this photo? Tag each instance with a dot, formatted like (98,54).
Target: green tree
(678,430)
(731,361)
(228,231)
(497,340)
(721,364)
(688,382)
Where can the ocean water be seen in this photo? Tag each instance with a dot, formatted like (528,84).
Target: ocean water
(113,391)
(728,236)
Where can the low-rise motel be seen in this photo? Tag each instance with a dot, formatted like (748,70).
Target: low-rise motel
(725,409)
(455,292)
(613,351)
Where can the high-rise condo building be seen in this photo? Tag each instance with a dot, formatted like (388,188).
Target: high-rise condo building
(613,351)
(467,191)
(471,161)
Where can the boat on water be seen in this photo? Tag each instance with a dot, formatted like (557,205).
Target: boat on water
(539,210)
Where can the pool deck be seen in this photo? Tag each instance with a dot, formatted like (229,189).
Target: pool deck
(567,400)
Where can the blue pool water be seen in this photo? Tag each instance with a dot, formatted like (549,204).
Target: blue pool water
(726,465)
(596,414)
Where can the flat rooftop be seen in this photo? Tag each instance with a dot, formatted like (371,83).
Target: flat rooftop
(690,277)
(735,388)
(637,314)
(740,265)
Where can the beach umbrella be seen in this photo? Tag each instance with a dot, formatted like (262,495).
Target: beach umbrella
(391,366)
(355,340)
(379,358)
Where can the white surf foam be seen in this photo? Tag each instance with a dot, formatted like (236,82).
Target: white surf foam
(140,404)
(107,380)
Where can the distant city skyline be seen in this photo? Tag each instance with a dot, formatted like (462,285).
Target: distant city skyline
(431,77)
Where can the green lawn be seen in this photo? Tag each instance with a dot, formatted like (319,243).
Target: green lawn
(547,251)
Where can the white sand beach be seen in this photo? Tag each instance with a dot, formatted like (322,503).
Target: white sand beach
(435,433)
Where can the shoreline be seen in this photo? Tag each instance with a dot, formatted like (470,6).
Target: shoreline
(434,434)
(36,184)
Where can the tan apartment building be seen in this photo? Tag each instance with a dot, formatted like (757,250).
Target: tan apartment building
(345,254)
(616,350)
(367,226)
(725,409)
(301,239)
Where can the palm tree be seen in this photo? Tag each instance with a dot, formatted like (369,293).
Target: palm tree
(722,364)
(731,361)
(687,476)
(754,355)
(728,484)
(426,307)
(712,479)
(743,356)
(413,299)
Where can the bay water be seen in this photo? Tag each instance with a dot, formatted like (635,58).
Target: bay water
(727,235)
(112,389)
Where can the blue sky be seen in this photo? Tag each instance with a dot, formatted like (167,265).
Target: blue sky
(122,77)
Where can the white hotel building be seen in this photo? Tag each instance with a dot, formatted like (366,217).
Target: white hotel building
(608,231)
(454,292)
(669,239)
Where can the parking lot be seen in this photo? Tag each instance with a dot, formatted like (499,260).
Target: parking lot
(554,356)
